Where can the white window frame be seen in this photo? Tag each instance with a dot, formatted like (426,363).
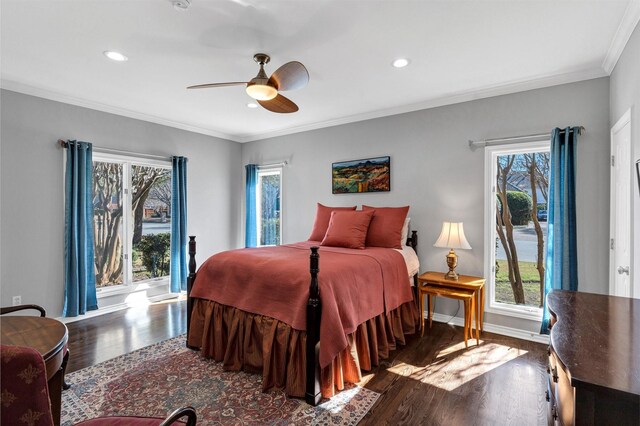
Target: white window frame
(267,171)
(128,286)
(490,167)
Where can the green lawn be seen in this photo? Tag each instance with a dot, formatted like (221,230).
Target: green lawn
(530,280)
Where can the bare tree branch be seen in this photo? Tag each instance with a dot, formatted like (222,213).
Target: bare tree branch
(535,182)
(505,165)
(108,213)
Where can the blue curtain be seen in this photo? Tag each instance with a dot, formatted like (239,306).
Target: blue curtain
(178,224)
(79,268)
(251,237)
(561,264)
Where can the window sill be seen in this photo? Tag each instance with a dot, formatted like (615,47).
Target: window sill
(529,313)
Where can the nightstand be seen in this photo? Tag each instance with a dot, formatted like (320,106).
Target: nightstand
(469,289)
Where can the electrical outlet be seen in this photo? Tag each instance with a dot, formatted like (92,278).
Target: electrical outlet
(17,300)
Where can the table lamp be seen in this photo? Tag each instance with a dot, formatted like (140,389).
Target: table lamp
(452,237)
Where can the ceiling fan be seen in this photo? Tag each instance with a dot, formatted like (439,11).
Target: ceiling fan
(290,76)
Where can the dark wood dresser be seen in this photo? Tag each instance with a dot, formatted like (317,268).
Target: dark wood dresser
(594,359)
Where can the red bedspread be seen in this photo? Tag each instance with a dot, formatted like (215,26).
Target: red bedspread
(355,285)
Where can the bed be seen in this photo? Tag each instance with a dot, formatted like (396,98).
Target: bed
(263,310)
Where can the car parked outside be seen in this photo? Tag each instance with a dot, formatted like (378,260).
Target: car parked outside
(542,215)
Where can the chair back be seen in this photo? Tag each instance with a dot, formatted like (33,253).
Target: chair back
(9,309)
(23,387)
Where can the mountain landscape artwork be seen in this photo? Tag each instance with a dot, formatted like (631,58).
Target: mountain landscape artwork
(368,175)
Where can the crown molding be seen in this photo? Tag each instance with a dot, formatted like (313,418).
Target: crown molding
(39,92)
(623,33)
(538,82)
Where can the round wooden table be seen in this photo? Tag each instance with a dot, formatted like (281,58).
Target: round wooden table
(49,337)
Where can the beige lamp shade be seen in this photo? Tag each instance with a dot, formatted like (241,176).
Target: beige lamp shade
(452,236)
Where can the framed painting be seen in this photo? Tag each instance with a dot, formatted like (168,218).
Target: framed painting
(367,175)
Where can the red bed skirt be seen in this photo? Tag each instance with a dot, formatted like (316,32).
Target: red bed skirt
(260,344)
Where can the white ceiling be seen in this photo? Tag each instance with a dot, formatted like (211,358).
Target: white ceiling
(459,50)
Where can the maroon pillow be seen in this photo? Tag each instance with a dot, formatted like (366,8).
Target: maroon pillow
(385,229)
(348,229)
(323,214)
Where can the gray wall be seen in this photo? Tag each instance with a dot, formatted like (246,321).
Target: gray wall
(435,172)
(625,94)
(32,212)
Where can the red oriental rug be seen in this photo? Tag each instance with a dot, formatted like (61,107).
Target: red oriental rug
(155,380)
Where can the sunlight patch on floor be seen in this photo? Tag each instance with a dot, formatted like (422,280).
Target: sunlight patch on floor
(338,402)
(137,299)
(456,365)
(456,347)
(366,377)
(406,370)
(171,299)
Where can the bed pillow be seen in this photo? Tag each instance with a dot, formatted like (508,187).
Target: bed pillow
(348,229)
(386,226)
(405,231)
(320,225)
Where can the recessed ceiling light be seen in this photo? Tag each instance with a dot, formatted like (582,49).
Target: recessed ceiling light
(115,56)
(252,105)
(400,63)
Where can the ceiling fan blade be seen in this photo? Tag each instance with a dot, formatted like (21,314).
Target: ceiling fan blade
(292,75)
(204,86)
(279,104)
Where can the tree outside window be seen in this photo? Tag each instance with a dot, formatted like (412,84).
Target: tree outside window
(520,226)
(269,215)
(131,247)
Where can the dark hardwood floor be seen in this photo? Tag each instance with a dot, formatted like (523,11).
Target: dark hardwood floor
(433,380)
(100,338)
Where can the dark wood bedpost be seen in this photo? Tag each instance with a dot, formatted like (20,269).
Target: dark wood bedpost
(412,242)
(314,310)
(190,279)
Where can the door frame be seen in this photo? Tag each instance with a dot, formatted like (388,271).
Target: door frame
(620,124)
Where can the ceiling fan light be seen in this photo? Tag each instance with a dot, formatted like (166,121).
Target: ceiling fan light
(261,92)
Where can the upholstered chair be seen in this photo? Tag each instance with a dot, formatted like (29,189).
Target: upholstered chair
(24,392)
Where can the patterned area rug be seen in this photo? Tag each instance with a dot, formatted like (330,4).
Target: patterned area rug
(155,380)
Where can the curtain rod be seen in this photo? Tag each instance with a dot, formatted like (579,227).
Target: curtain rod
(64,144)
(280,164)
(513,139)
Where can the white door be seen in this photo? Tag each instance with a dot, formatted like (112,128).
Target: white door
(620,258)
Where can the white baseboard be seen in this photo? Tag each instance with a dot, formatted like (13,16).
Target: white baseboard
(497,329)
(116,307)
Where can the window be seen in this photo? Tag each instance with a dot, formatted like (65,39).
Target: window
(517,182)
(132,220)
(269,200)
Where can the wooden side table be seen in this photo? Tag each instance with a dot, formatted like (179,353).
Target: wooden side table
(471,283)
(49,337)
(454,293)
